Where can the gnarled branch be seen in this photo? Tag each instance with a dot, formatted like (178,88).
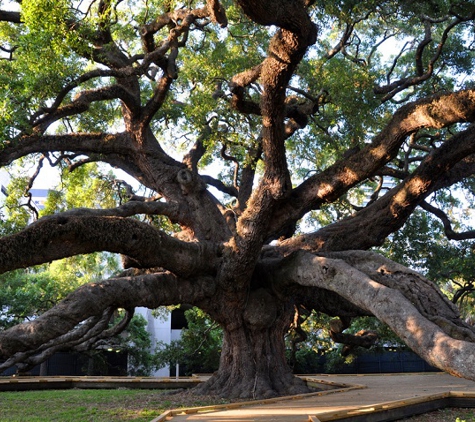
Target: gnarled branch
(372,282)
(442,216)
(436,112)
(392,89)
(60,236)
(94,303)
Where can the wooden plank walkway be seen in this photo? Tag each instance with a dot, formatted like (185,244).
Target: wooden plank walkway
(369,398)
(348,398)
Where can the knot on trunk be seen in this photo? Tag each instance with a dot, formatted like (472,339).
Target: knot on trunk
(185,178)
(261,310)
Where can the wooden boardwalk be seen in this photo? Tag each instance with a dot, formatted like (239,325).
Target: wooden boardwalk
(347,398)
(365,398)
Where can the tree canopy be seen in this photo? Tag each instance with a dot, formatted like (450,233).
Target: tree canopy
(272,144)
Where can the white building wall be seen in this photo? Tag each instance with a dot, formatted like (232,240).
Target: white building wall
(4,180)
(175,335)
(160,331)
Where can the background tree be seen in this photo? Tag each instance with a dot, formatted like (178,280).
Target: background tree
(327,125)
(26,293)
(197,350)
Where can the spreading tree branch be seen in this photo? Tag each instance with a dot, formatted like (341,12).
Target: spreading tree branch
(81,338)
(371,225)
(442,216)
(84,100)
(392,89)
(218,184)
(87,330)
(193,157)
(80,142)
(94,303)
(59,236)
(126,72)
(435,112)
(373,283)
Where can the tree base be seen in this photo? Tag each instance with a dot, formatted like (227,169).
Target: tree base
(223,384)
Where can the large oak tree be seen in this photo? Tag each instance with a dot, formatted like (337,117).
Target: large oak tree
(303,107)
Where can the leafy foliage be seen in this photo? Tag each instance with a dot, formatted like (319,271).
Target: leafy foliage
(137,343)
(422,244)
(27,294)
(306,126)
(198,349)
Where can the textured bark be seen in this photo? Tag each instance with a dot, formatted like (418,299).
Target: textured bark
(73,320)
(253,365)
(253,362)
(220,257)
(435,112)
(59,236)
(444,341)
(373,224)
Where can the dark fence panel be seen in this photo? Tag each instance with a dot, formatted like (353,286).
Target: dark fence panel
(75,364)
(115,364)
(386,362)
(371,362)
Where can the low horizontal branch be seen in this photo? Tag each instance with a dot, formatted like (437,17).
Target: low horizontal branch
(91,300)
(60,236)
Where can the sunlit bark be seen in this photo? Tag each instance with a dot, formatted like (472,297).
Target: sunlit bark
(423,318)
(220,256)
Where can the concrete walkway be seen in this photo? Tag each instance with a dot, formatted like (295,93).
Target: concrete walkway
(367,395)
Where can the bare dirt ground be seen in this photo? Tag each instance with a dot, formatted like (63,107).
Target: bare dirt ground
(445,415)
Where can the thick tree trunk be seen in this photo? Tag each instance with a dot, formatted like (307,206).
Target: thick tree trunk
(253,362)
(253,365)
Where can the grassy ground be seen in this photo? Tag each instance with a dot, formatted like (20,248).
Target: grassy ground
(93,405)
(134,405)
